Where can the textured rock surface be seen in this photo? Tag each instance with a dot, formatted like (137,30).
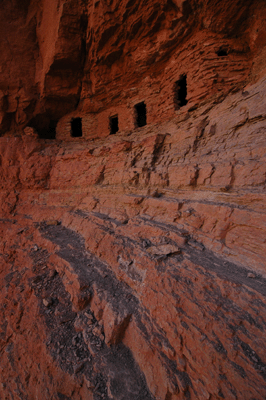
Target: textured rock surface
(85,57)
(133,265)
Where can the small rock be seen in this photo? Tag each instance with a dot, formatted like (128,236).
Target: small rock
(57,312)
(47,302)
(138,200)
(156,194)
(187,213)
(29,131)
(146,243)
(196,245)
(90,319)
(225,188)
(78,367)
(163,250)
(177,215)
(124,263)
(52,222)
(97,331)
(251,275)
(88,383)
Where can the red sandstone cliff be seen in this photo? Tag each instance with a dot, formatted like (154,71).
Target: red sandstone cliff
(133,264)
(59,57)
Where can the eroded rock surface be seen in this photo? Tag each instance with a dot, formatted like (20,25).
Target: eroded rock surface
(134,267)
(85,57)
(133,264)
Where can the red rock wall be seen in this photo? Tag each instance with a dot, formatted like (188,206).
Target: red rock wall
(133,265)
(208,75)
(61,57)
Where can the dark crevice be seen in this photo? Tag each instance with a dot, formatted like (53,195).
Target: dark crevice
(6,123)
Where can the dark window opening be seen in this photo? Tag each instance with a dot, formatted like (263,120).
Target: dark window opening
(113,125)
(76,127)
(140,111)
(52,129)
(180,92)
(222,53)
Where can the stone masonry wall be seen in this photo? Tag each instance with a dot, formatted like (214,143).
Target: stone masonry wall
(207,73)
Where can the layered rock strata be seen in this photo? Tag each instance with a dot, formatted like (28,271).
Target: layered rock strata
(132,165)
(133,267)
(66,59)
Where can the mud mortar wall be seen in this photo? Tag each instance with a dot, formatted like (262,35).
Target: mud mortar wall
(208,75)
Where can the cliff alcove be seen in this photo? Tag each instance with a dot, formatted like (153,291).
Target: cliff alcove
(133,224)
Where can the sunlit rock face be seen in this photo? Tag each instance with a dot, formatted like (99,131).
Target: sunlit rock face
(132,165)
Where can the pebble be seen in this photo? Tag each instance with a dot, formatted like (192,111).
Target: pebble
(156,194)
(53,222)
(89,384)
(74,340)
(47,302)
(78,367)
(251,275)
(196,245)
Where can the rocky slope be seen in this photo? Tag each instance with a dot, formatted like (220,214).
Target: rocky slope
(134,267)
(132,264)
